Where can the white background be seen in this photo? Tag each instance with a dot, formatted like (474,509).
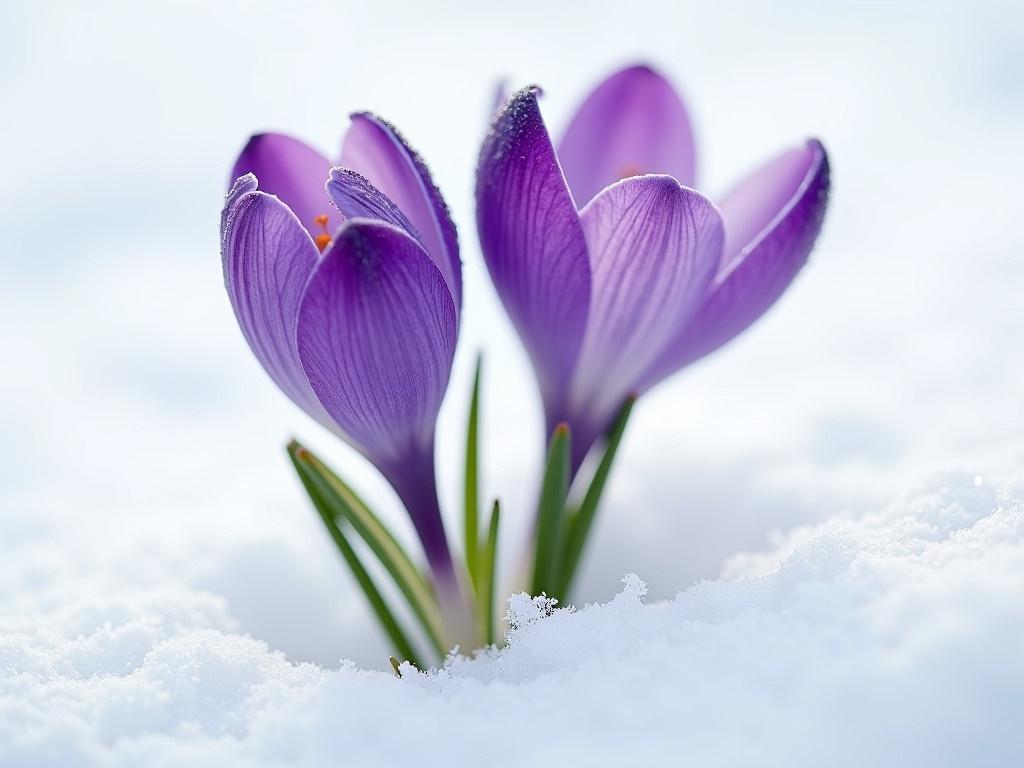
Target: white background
(142,445)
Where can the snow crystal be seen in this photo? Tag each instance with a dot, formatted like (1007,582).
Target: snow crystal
(892,639)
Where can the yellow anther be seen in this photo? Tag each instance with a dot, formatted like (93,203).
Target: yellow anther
(627,171)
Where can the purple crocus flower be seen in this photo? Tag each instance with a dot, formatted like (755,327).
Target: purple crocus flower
(615,272)
(347,284)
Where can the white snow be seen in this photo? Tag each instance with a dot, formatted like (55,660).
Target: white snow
(162,574)
(890,640)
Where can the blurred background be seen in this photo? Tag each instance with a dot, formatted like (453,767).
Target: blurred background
(142,446)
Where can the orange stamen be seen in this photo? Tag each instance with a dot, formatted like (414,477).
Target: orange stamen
(630,170)
(324,238)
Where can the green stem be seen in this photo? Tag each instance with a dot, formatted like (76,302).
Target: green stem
(488,571)
(579,524)
(472,494)
(329,492)
(380,608)
(550,515)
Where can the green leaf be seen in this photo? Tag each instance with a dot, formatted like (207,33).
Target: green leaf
(342,502)
(373,595)
(488,568)
(548,550)
(579,524)
(472,495)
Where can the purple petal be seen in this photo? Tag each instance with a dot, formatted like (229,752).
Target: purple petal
(633,123)
(750,208)
(267,258)
(374,149)
(533,241)
(356,198)
(771,222)
(654,249)
(376,337)
(293,171)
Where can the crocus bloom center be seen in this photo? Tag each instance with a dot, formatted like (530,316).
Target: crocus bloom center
(324,238)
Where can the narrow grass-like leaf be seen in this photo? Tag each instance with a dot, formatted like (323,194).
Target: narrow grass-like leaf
(472,492)
(343,502)
(373,595)
(579,523)
(548,551)
(488,570)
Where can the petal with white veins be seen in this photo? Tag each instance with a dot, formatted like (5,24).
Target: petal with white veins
(772,220)
(533,242)
(295,172)
(376,150)
(634,123)
(654,249)
(376,336)
(267,258)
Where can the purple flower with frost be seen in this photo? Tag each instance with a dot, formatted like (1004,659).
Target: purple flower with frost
(614,270)
(347,285)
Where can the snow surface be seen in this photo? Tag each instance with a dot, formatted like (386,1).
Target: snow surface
(890,640)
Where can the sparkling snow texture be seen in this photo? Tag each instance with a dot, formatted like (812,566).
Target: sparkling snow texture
(890,640)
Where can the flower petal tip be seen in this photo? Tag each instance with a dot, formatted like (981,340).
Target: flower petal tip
(355,197)
(632,123)
(376,150)
(642,69)
(243,184)
(369,116)
(527,93)
(772,221)
(821,170)
(518,118)
(289,169)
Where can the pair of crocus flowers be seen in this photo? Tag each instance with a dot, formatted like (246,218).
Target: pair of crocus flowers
(614,270)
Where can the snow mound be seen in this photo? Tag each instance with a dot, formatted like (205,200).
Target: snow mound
(890,640)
